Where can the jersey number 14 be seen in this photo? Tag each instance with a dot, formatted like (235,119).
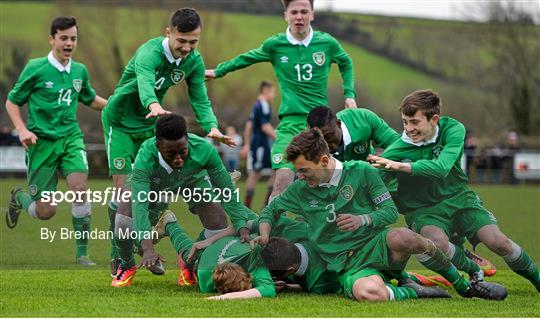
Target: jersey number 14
(64,96)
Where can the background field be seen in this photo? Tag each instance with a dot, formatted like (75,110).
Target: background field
(38,278)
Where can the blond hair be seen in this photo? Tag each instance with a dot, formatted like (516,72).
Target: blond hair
(229,277)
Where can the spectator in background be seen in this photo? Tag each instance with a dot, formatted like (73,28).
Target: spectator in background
(7,137)
(259,134)
(511,148)
(231,155)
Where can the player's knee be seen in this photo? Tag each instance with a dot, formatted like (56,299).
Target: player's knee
(403,239)
(122,225)
(439,240)
(369,290)
(45,212)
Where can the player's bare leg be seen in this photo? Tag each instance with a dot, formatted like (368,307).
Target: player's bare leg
(514,256)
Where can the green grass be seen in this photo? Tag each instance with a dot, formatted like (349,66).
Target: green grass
(38,278)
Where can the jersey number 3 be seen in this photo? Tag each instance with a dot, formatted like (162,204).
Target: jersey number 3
(304,73)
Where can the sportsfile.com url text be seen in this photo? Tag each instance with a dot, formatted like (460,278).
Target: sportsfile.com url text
(195,195)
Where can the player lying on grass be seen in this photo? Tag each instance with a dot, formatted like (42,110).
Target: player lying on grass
(131,112)
(301,58)
(349,135)
(348,210)
(222,263)
(292,259)
(432,188)
(52,87)
(173,161)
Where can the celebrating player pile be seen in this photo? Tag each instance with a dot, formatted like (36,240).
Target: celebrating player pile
(345,197)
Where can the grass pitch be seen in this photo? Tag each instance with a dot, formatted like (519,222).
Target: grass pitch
(40,278)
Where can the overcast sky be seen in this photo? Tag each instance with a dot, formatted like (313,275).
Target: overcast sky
(437,9)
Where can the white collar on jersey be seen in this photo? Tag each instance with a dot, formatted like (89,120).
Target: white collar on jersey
(303,261)
(164,164)
(336,176)
(58,65)
(168,53)
(265,106)
(345,135)
(408,140)
(294,41)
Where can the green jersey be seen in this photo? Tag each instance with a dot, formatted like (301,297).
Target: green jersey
(312,274)
(230,249)
(355,188)
(53,92)
(301,68)
(146,79)
(359,127)
(436,167)
(152,173)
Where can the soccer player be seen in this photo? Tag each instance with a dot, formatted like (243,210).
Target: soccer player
(130,115)
(53,86)
(432,187)
(349,134)
(348,208)
(172,161)
(301,58)
(259,135)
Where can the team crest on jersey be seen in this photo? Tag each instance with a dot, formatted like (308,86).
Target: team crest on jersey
(437,151)
(346,192)
(77,85)
(360,148)
(319,58)
(33,189)
(49,84)
(277,158)
(119,163)
(177,76)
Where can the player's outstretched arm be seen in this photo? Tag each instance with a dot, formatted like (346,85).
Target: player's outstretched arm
(98,103)
(156,110)
(26,137)
(246,294)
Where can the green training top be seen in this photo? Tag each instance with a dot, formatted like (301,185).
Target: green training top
(302,71)
(146,79)
(436,168)
(230,249)
(151,173)
(52,92)
(355,189)
(359,127)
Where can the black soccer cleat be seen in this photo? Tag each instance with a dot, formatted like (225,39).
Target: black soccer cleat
(115,264)
(485,290)
(424,292)
(14,209)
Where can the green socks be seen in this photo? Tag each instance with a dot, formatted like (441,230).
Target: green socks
(180,241)
(440,264)
(112,215)
(24,199)
(522,264)
(80,225)
(401,293)
(461,261)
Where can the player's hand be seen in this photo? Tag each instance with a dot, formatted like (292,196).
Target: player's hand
(260,240)
(216,135)
(156,110)
(218,297)
(280,286)
(244,235)
(209,74)
(380,162)
(150,258)
(244,151)
(27,138)
(348,222)
(196,247)
(350,103)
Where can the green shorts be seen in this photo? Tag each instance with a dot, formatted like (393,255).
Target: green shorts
(122,148)
(464,215)
(288,127)
(45,157)
(372,259)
